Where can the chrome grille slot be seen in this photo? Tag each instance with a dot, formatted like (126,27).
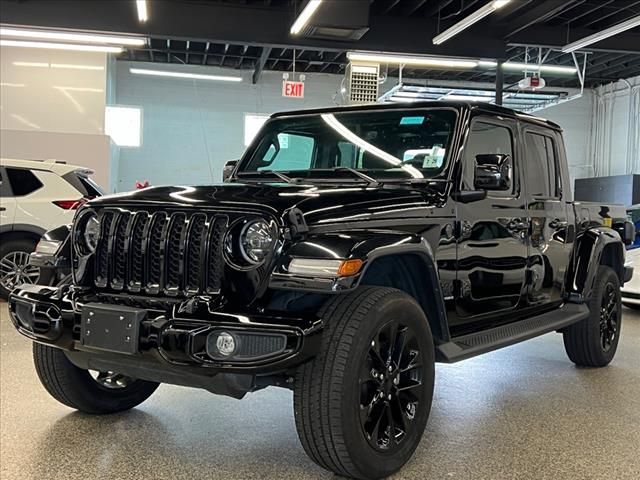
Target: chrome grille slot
(164,253)
(136,249)
(102,250)
(174,253)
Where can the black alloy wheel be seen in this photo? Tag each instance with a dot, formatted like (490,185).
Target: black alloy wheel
(593,342)
(609,317)
(362,404)
(390,386)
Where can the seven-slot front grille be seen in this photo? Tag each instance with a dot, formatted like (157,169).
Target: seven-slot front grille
(161,253)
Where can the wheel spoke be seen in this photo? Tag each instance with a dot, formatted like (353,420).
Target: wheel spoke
(409,386)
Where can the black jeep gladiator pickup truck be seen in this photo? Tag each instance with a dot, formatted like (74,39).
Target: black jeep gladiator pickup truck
(348,251)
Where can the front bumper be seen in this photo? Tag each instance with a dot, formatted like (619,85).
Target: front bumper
(174,344)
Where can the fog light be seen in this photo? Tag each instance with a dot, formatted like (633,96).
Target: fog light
(225,344)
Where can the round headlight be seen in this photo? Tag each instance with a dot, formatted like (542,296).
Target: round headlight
(256,241)
(91,233)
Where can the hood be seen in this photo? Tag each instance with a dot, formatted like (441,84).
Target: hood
(319,204)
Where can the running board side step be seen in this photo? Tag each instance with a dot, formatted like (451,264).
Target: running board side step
(467,346)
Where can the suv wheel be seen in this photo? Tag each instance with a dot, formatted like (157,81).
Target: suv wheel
(361,406)
(84,390)
(14,265)
(593,342)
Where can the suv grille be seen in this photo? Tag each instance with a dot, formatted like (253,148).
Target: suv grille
(161,253)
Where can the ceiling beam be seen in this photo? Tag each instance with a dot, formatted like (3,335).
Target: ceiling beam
(250,24)
(262,61)
(554,37)
(543,10)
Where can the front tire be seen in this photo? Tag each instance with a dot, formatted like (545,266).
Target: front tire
(361,406)
(74,387)
(593,341)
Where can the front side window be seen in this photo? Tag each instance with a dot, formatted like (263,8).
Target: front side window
(486,139)
(382,144)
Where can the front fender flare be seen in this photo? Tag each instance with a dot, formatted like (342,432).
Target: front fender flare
(367,246)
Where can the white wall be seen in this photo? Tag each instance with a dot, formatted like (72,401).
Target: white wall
(192,127)
(616,128)
(52,106)
(575,119)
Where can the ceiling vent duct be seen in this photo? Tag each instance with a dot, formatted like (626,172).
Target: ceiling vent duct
(346,20)
(363,82)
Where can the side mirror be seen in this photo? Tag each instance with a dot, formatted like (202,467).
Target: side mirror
(228,169)
(493,172)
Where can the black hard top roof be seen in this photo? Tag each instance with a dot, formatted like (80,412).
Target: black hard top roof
(486,108)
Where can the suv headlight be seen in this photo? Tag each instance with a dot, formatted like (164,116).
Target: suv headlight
(256,241)
(87,233)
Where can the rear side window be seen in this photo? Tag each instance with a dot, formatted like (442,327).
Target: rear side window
(540,167)
(87,187)
(23,182)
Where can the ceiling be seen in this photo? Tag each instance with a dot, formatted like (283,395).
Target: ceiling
(253,34)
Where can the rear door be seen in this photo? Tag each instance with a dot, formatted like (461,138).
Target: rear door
(549,208)
(7,203)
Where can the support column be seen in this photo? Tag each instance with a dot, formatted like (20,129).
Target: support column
(499,82)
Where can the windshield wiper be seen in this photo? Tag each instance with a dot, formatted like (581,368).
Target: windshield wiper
(372,182)
(260,173)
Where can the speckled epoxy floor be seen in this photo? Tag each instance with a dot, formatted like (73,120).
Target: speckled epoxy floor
(520,413)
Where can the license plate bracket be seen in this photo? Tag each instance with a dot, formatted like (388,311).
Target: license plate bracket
(112,328)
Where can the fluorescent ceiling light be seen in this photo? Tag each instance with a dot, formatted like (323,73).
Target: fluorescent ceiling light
(468,98)
(606,33)
(193,76)
(534,67)
(58,65)
(410,60)
(72,37)
(530,67)
(305,16)
(60,46)
(469,20)
(143,15)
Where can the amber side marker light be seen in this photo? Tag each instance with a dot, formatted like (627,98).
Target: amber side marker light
(350,267)
(325,267)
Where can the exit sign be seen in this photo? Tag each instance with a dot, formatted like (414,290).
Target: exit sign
(293,89)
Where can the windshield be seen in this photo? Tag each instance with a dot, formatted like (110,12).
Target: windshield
(382,144)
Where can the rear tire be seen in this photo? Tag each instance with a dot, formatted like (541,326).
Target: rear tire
(593,342)
(12,252)
(77,388)
(361,406)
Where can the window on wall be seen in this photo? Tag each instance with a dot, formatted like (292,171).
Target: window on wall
(124,125)
(541,166)
(252,124)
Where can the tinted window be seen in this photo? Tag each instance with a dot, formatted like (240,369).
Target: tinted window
(540,167)
(5,191)
(23,182)
(87,187)
(289,152)
(485,138)
(385,144)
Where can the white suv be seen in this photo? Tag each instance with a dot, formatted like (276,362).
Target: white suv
(35,196)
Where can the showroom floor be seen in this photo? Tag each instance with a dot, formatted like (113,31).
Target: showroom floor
(524,412)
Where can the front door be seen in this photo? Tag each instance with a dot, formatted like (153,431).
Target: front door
(492,237)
